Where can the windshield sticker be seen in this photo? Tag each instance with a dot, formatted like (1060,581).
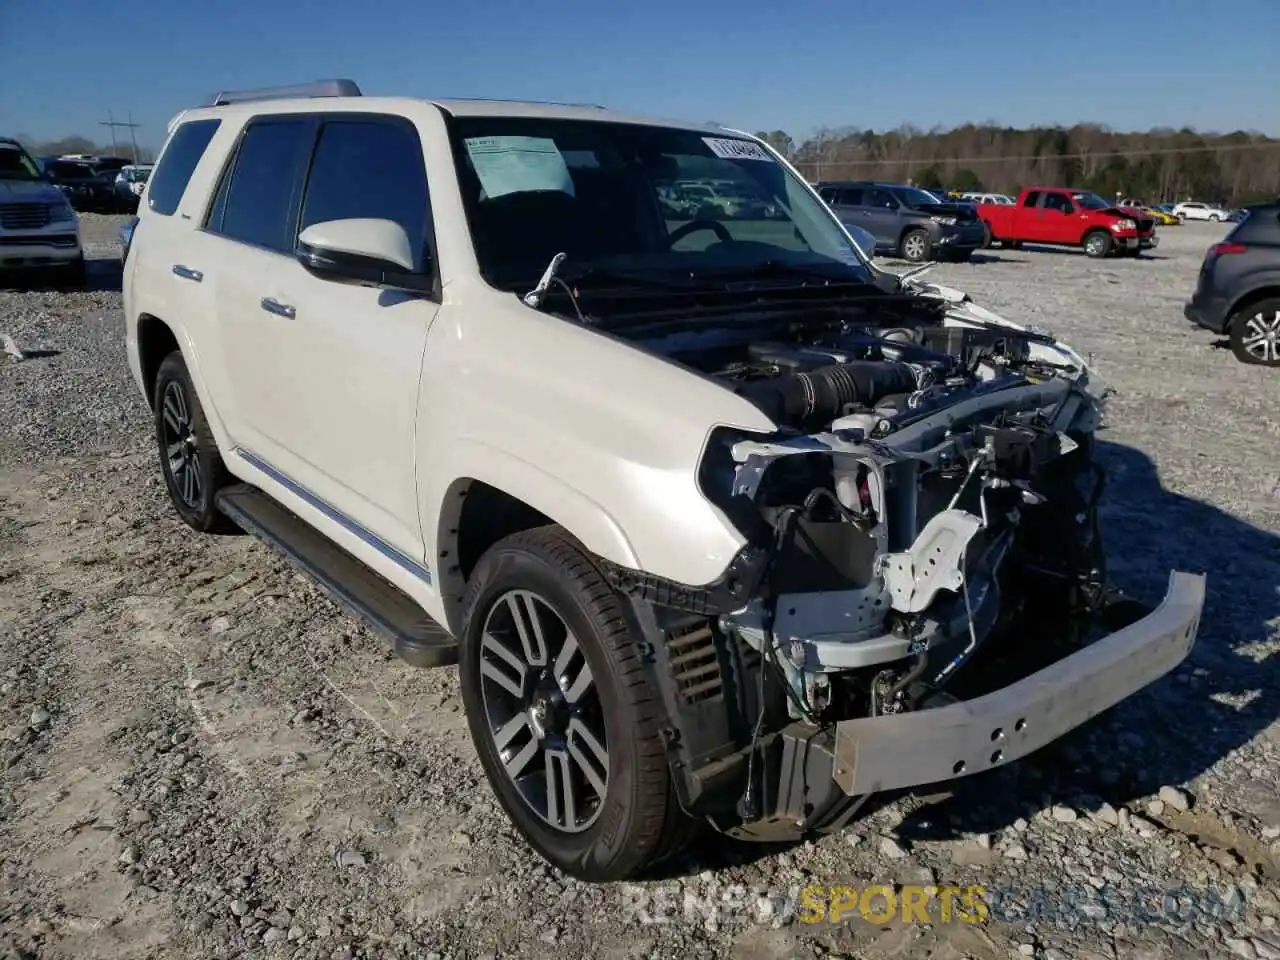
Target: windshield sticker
(518,165)
(727,149)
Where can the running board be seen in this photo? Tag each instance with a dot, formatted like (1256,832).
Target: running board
(419,641)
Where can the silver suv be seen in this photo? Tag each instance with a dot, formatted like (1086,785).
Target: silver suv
(39,232)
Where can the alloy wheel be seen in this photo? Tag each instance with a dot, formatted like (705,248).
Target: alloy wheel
(181,444)
(543,711)
(1261,337)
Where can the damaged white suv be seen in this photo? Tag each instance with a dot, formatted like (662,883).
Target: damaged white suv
(723,525)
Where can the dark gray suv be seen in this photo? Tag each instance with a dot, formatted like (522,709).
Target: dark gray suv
(906,221)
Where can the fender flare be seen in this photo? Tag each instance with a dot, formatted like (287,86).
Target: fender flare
(470,460)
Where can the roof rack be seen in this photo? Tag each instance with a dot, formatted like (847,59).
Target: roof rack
(547,103)
(297,91)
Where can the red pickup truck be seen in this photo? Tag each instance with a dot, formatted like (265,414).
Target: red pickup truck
(1073,218)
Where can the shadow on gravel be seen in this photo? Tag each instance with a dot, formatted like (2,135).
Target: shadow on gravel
(1182,725)
(993,258)
(1077,252)
(104,275)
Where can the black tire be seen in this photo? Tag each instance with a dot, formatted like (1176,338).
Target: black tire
(637,820)
(1249,332)
(915,245)
(1214,218)
(1097,244)
(195,473)
(986,235)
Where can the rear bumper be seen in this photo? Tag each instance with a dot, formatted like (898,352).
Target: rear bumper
(930,746)
(1208,312)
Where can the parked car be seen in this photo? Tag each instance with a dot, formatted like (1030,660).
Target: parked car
(994,198)
(85,185)
(39,231)
(1065,217)
(906,221)
(1147,210)
(1238,289)
(1195,210)
(129,183)
(710,527)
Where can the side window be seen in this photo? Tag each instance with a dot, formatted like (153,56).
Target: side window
(1032,198)
(881,199)
(851,197)
(369,168)
(829,194)
(257,198)
(185,148)
(1056,201)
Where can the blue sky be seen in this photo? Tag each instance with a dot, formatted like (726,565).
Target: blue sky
(756,64)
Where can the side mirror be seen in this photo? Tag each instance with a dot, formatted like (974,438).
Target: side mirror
(367,251)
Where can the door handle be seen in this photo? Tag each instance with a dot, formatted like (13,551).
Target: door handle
(279,309)
(186,273)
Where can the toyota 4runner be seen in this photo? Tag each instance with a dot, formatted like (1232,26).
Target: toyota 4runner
(723,525)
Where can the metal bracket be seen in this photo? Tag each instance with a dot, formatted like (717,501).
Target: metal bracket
(934,562)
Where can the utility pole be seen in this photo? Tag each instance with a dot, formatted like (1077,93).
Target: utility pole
(113,123)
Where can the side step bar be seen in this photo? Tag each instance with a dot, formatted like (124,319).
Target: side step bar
(419,640)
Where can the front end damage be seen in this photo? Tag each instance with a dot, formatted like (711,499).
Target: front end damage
(922,594)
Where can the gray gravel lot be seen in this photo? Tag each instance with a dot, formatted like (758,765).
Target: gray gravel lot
(200,756)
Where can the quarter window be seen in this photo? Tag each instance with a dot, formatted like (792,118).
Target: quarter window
(186,147)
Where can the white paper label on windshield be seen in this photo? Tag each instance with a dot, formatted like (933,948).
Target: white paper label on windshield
(729,149)
(518,164)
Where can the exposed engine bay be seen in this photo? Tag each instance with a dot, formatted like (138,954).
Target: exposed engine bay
(931,483)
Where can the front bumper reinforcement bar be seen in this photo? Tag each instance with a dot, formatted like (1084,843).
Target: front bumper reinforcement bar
(930,746)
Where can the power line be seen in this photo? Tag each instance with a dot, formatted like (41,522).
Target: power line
(112,122)
(1097,155)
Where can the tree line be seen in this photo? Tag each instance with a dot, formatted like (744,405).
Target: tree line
(78,144)
(1154,166)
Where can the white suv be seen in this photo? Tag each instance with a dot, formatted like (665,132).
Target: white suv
(39,231)
(1195,210)
(711,512)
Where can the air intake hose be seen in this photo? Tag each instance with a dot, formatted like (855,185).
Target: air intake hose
(824,393)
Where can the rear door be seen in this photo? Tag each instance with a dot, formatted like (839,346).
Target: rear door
(247,231)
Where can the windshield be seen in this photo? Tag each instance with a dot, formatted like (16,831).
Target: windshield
(16,165)
(636,198)
(915,197)
(1091,201)
(64,170)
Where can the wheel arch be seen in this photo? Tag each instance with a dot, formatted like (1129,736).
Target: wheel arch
(489,501)
(156,338)
(1247,300)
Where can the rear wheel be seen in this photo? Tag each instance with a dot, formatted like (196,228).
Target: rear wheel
(914,246)
(1255,334)
(189,459)
(1097,244)
(560,710)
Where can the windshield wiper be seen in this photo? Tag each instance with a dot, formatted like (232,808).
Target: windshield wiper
(784,269)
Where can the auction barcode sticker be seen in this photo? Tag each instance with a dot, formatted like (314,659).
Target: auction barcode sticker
(732,149)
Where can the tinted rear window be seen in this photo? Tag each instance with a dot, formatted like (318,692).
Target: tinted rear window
(257,204)
(173,172)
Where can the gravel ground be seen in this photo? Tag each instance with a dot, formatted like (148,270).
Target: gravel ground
(200,756)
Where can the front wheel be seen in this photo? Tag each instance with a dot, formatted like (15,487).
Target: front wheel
(914,246)
(1214,218)
(1255,334)
(1097,244)
(563,718)
(189,459)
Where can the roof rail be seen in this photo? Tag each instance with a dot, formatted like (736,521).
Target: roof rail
(546,103)
(299,91)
